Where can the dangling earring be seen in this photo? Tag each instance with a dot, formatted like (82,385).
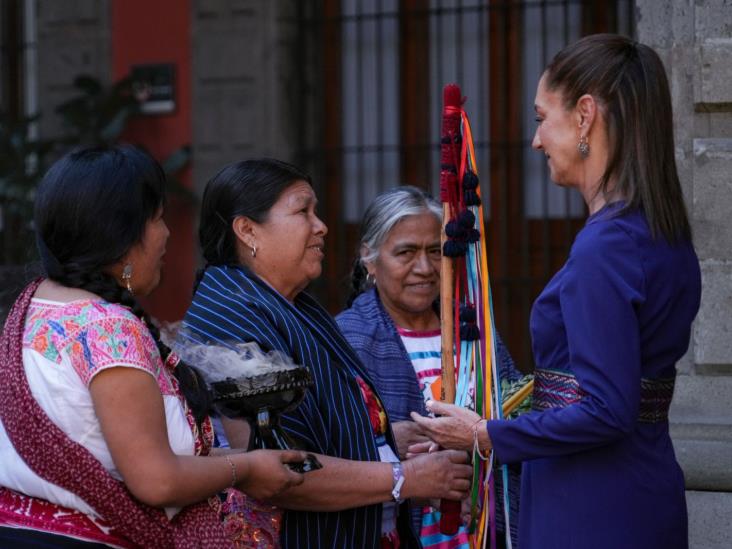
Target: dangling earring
(254,251)
(371,279)
(127,276)
(583,147)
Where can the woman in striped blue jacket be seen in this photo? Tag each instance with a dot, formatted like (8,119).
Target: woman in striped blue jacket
(263,244)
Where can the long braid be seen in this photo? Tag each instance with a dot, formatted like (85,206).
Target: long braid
(190,381)
(124,187)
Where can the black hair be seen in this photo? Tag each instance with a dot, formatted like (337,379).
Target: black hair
(249,188)
(629,82)
(91,207)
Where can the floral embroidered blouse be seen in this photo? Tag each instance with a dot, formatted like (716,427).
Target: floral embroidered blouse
(64,346)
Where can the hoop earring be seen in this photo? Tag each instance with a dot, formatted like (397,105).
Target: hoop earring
(583,147)
(254,251)
(127,277)
(371,279)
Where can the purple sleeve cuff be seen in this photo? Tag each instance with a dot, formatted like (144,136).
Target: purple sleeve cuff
(497,432)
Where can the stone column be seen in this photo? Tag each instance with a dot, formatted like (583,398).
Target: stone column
(244,89)
(694,38)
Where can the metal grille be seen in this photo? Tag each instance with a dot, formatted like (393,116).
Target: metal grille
(371,120)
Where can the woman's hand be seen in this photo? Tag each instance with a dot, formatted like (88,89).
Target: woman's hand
(407,433)
(426,447)
(454,429)
(444,474)
(266,473)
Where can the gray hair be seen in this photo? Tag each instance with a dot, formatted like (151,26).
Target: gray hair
(388,209)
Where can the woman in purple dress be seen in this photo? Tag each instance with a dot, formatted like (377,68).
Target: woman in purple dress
(599,467)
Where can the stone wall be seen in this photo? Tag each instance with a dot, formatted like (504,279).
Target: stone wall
(245,97)
(694,38)
(73,39)
(243,69)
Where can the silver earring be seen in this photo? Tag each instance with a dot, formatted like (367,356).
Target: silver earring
(371,279)
(254,251)
(127,277)
(583,147)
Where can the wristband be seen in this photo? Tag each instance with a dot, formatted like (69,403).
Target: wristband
(398,480)
(476,445)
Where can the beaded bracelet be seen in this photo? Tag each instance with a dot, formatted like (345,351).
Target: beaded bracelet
(234,479)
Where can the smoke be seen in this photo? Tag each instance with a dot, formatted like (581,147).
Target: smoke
(217,362)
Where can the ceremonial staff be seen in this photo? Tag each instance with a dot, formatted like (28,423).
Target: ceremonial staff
(450,510)
(469,366)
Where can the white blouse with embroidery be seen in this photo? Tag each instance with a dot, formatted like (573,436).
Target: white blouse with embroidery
(64,346)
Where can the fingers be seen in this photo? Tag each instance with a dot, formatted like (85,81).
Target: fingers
(405,425)
(450,431)
(459,490)
(455,413)
(420,439)
(427,425)
(421,448)
(408,429)
(295,479)
(292,456)
(440,408)
(459,463)
(465,471)
(457,456)
(422,421)
(406,433)
(461,485)
(417,430)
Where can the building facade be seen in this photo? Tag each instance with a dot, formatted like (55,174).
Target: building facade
(694,39)
(350,90)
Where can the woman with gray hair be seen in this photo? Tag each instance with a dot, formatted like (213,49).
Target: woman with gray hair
(393,320)
(386,211)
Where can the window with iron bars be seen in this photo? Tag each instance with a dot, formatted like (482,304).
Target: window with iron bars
(381,68)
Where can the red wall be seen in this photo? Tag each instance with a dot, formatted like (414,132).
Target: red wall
(159,32)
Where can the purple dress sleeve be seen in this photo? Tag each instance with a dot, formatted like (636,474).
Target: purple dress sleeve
(599,291)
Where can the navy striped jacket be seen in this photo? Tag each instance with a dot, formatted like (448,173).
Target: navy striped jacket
(233,305)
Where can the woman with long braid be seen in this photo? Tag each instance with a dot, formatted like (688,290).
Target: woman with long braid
(104,433)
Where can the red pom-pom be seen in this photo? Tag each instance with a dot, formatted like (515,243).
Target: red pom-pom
(452,96)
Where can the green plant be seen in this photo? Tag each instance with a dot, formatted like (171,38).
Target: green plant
(176,162)
(98,115)
(23,161)
(95,116)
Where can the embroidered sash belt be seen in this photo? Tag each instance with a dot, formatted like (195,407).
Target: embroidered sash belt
(554,389)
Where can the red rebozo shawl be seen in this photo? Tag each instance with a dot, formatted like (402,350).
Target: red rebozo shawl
(56,458)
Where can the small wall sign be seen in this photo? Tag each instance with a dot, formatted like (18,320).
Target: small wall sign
(153,85)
